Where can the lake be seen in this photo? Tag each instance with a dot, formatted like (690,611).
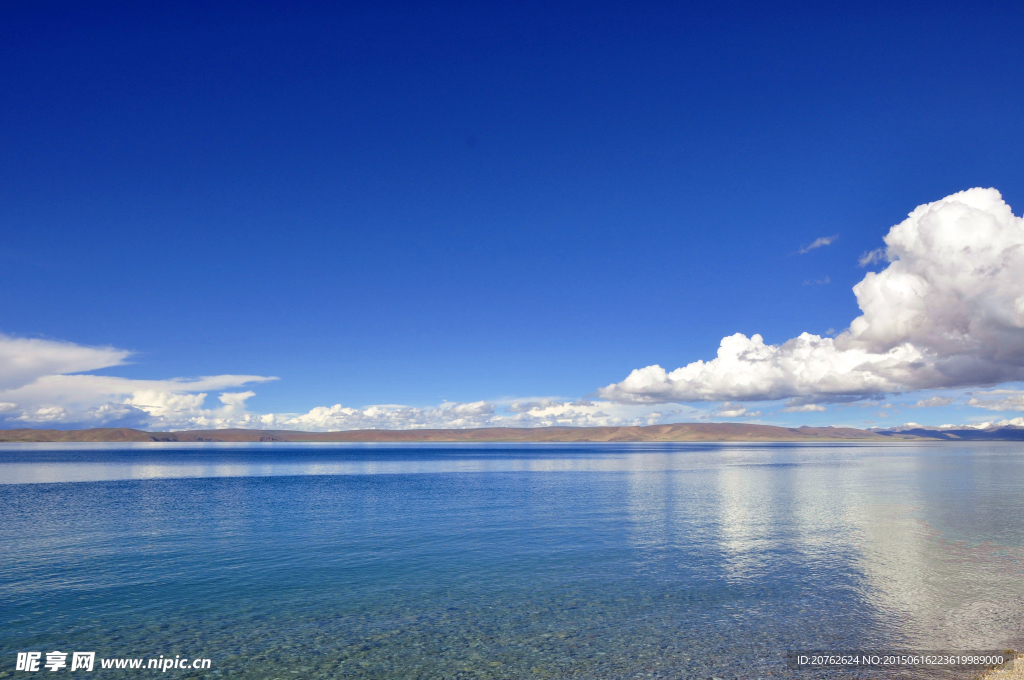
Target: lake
(667,560)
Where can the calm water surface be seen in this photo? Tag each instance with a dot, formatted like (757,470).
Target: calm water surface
(509,561)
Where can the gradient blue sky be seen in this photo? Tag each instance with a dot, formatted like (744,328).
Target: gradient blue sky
(416,203)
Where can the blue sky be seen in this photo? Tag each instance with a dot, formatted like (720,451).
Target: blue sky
(420,205)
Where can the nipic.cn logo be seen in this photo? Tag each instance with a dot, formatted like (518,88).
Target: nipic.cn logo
(32,662)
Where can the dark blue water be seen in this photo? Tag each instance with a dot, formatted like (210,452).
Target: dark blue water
(509,561)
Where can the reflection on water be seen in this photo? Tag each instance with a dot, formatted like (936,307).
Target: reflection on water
(41,463)
(930,552)
(588,560)
(745,508)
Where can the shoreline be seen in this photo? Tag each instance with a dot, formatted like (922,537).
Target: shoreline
(678,432)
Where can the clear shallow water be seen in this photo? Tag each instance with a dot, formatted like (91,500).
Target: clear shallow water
(512,561)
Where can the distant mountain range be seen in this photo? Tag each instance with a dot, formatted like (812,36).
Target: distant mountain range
(960,434)
(682,432)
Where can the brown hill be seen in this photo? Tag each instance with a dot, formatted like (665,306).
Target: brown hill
(682,432)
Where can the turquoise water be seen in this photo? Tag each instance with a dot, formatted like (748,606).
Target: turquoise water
(509,561)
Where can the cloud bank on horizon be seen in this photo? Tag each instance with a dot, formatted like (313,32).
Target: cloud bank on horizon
(43,383)
(946,312)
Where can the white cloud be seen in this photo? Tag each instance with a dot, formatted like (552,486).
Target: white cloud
(33,397)
(872,256)
(24,360)
(42,383)
(731,410)
(527,406)
(804,408)
(948,311)
(235,401)
(1012,422)
(998,400)
(931,402)
(155,397)
(101,401)
(819,242)
(1008,422)
(161,403)
(391,417)
(747,369)
(582,413)
(907,426)
(453,415)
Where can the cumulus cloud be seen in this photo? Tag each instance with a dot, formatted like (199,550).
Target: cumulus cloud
(931,402)
(100,401)
(1010,422)
(455,415)
(747,369)
(157,397)
(998,400)
(391,417)
(804,408)
(947,311)
(44,382)
(819,242)
(730,410)
(235,401)
(582,413)
(162,403)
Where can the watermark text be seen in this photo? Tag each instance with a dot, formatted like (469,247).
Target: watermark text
(56,660)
